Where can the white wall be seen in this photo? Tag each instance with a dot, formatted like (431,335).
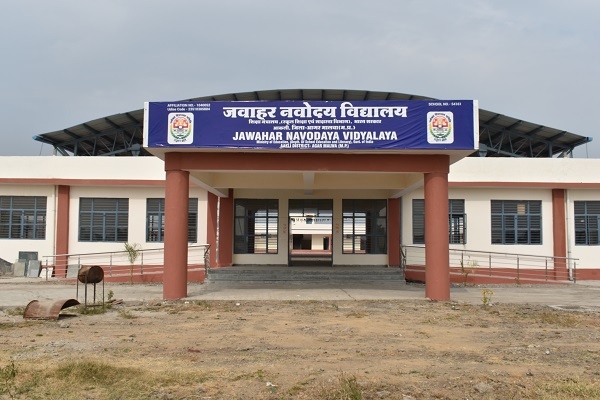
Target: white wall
(137,216)
(588,256)
(85,168)
(9,248)
(540,170)
(478,210)
(38,176)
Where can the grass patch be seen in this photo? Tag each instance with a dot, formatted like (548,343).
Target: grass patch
(123,313)
(345,388)
(561,319)
(90,310)
(14,311)
(569,388)
(100,380)
(356,314)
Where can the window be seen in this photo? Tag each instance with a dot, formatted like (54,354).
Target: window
(365,226)
(457,221)
(155,220)
(418,213)
(457,226)
(256,226)
(587,219)
(103,220)
(516,222)
(23,217)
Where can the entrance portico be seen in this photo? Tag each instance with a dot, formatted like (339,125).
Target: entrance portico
(256,157)
(348,174)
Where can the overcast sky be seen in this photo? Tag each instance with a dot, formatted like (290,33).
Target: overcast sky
(67,62)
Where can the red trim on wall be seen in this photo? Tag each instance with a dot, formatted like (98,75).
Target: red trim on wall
(588,274)
(211,226)
(226,231)
(393,227)
(559,230)
(145,274)
(307,162)
(62,229)
(83,182)
(503,276)
(537,185)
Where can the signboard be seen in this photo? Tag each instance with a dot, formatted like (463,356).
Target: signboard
(313,125)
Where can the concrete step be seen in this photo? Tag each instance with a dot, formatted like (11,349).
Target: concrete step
(305,274)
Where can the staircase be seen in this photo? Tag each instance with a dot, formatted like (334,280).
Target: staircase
(306,274)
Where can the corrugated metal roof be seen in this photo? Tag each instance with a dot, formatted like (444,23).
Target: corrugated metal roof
(499,136)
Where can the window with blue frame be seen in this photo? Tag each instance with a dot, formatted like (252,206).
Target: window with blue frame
(516,222)
(155,220)
(103,219)
(23,217)
(587,219)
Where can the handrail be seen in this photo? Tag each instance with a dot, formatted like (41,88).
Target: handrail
(496,252)
(534,261)
(117,259)
(118,252)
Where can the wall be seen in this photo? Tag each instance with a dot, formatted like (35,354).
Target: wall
(588,256)
(478,211)
(136,178)
(9,248)
(137,216)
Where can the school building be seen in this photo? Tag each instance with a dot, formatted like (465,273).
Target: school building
(326,178)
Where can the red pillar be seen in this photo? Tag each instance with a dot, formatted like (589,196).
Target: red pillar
(437,261)
(226,231)
(393,215)
(559,233)
(211,226)
(176,234)
(62,230)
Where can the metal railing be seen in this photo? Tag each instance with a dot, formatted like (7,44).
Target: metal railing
(118,263)
(499,264)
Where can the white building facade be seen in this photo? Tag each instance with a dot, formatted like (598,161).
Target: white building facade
(547,208)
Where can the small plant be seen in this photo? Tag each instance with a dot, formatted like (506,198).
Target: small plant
(471,266)
(8,374)
(349,388)
(110,295)
(133,251)
(487,297)
(126,314)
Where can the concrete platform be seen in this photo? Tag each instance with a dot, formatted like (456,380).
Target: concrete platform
(18,292)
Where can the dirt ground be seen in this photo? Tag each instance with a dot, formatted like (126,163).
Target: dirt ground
(304,350)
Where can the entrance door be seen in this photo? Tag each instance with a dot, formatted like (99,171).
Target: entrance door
(310,233)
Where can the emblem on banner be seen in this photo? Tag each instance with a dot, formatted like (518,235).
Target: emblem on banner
(181,128)
(440,127)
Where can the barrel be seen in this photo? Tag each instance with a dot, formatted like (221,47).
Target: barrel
(90,274)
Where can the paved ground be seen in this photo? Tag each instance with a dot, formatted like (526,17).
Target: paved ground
(18,292)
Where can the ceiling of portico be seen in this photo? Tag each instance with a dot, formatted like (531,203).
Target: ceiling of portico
(310,182)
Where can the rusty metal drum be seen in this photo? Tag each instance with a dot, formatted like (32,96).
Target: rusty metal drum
(90,274)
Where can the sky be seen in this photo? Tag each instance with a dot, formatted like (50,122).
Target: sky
(65,62)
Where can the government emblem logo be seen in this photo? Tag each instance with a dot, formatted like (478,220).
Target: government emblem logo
(181,128)
(440,127)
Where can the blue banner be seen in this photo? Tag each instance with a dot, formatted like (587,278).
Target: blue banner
(313,125)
